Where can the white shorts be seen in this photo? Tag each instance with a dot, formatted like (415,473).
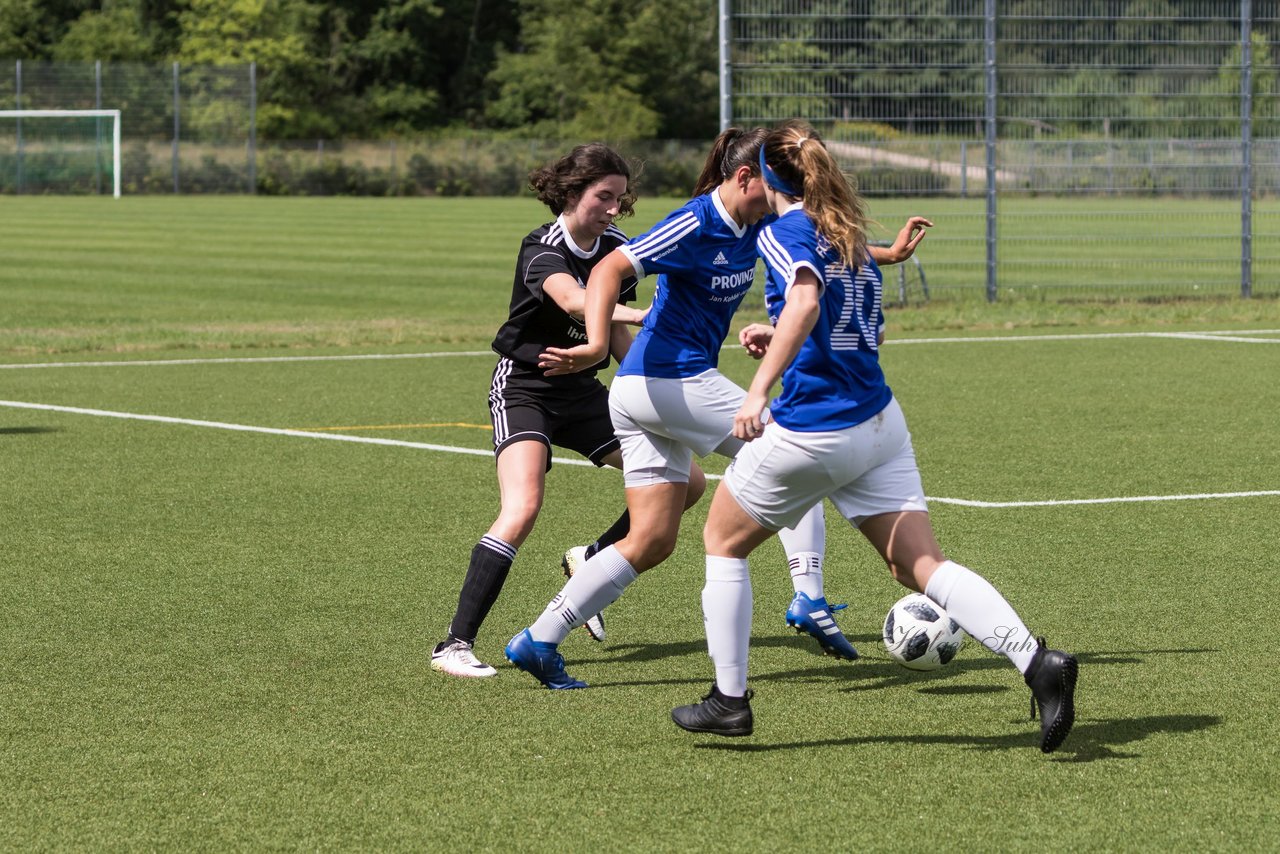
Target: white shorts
(865,470)
(662,422)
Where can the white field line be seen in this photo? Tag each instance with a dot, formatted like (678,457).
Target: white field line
(252,359)
(1129,499)
(449,449)
(246,428)
(1231,335)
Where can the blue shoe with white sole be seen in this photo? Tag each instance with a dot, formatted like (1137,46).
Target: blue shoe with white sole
(542,661)
(816,617)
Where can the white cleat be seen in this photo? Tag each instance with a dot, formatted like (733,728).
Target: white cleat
(572,562)
(457,659)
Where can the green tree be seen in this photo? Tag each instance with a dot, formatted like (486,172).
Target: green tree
(29,28)
(608,69)
(115,33)
(272,33)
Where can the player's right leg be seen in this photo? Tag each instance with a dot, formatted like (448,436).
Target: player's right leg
(600,582)
(887,505)
(809,612)
(656,473)
(521,468)
(714,400)
(729,536)
(522,450)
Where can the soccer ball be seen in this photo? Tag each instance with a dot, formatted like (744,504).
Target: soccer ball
(920,635)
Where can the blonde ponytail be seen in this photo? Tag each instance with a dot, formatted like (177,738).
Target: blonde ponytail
(798,155)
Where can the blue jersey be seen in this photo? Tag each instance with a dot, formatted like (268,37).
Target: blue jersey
(835,380)
(706,263)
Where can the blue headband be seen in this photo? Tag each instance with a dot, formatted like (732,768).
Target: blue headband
(773,179)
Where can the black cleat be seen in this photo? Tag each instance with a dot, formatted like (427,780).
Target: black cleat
(1052,680)
(716,714)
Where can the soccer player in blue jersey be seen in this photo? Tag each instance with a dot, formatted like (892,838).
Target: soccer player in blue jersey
(586,189)
(669,401)
(835,432)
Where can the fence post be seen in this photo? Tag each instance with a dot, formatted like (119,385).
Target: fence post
(726,55)
(97,127)
(1246,148)
(17,105)
(253,128)
(177,125)
(989,51)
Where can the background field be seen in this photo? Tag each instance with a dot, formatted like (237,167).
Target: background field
(214,638)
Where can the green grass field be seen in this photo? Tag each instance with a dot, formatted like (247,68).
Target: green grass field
(217,638)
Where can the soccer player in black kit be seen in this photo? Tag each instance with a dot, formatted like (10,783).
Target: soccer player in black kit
(587,190)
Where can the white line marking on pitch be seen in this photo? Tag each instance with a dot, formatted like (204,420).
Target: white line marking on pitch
(449,449)
(1221,335)
(241,360)
(1134,499)
(1232,335)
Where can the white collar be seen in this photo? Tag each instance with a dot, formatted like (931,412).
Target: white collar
(573,244)
(738,230)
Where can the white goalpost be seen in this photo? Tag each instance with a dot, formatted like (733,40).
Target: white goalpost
(114,115)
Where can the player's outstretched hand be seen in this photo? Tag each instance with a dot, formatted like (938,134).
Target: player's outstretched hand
(755,338)
(555,361)
(908,239)
(749,423)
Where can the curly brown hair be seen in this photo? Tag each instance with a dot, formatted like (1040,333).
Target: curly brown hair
(572,174)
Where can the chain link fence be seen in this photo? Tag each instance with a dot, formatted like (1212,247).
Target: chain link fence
(1121,147)
(184,129)
(193,130)
(1094,145)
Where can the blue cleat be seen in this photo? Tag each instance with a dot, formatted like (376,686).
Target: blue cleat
(816,618)
(541,661)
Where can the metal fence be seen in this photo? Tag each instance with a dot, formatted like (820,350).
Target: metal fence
(184,129)
(1114,145)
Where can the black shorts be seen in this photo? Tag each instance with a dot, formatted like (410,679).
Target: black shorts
(570,412)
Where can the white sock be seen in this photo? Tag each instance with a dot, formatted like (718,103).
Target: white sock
(726,610)
(592,588)
(806,573)
(805,545)
(982,612)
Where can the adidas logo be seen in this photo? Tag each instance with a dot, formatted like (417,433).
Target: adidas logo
(720,259)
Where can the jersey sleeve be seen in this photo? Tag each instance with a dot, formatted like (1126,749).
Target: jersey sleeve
(671,245)
(786,257)
(539,261)
(617,239)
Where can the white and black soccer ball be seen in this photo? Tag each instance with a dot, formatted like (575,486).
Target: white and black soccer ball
(919,634)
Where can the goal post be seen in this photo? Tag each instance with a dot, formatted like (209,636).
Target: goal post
(114,115)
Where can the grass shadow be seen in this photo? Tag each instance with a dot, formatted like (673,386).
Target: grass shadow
(1089,741)
(28,431)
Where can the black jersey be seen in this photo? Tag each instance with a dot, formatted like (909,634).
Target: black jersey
(536,321)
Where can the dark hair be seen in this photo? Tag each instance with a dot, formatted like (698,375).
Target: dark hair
(799,156)
(733,149)
(572,174)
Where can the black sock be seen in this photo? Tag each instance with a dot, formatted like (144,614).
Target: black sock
(616,531)
(491,560)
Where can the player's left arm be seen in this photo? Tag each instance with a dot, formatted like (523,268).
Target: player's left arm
(620,339)
(755,338)
(603,289)
(905,245)
(797,320)
(565,292)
